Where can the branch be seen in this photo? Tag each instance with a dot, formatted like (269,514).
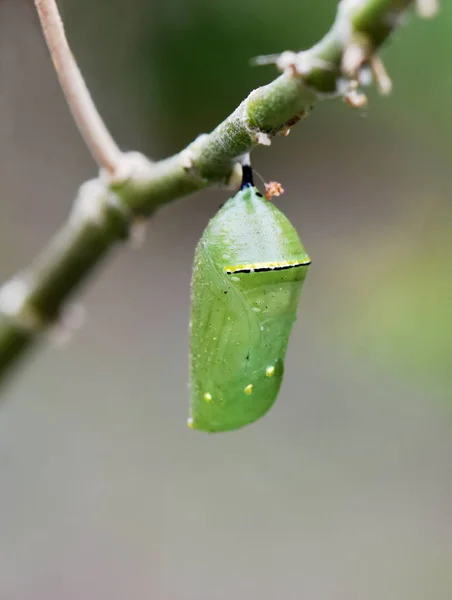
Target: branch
(107,208)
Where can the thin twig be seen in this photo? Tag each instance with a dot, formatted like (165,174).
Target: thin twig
(97,137)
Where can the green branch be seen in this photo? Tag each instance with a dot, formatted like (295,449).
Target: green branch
(107,208)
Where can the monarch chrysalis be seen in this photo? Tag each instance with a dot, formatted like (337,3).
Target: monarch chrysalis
(248,273)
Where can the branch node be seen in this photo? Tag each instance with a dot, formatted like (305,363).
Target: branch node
(14,305)
(89,205)
(132,165)
(131,184)
(262,138)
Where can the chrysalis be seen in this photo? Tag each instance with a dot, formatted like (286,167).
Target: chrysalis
(248,273)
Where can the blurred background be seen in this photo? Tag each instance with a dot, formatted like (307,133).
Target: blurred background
(343,491)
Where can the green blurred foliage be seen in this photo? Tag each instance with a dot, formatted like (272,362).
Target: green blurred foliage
(204,53)
(397,304)
(190,61)
(423,90)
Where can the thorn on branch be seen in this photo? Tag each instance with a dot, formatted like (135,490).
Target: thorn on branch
(361,65)
(356,56)
(380,75)
(297,64)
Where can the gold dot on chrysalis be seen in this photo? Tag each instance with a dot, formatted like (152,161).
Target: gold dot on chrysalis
(190,423)
(270,371)
(249,389)
(208,397)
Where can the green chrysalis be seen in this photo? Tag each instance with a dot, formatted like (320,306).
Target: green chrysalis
(248,272)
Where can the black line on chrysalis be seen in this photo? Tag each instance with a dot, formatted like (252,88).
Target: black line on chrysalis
(264,269)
